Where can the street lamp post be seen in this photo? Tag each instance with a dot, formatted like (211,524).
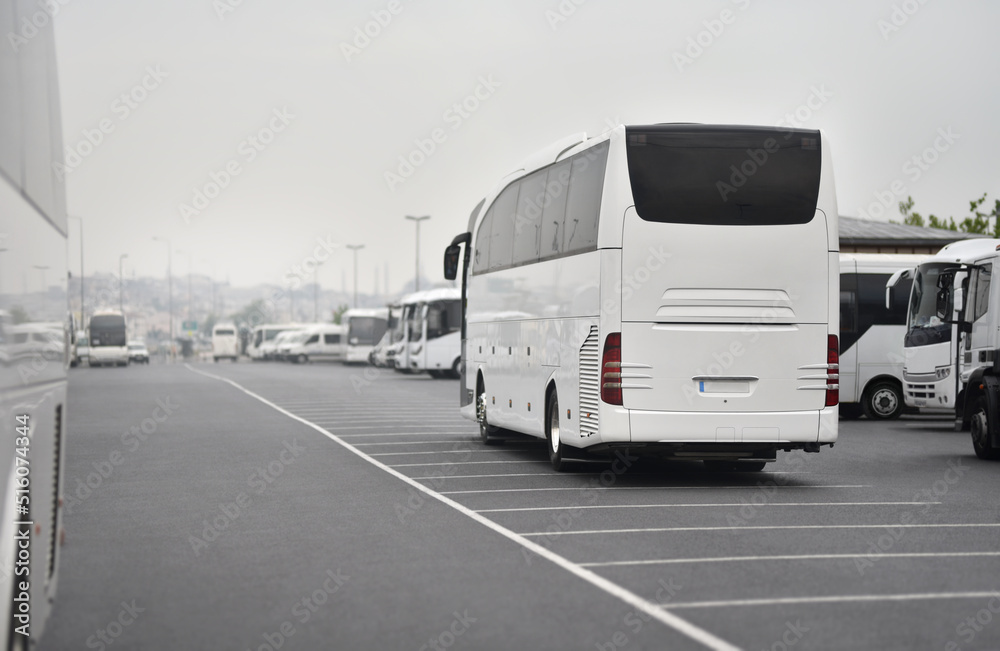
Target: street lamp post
(355,248)
(170,286)
(416,278)
(121,284)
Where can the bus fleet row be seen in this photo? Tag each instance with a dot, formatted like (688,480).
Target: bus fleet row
(420,333)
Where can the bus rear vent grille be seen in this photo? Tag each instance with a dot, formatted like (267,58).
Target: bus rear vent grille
(54,522)
(590,391)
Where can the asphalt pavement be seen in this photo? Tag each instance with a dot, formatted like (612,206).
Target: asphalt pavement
(266,505)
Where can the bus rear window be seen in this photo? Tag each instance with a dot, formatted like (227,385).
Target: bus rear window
(725,176)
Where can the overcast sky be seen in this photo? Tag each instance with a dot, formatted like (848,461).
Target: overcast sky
(884,79)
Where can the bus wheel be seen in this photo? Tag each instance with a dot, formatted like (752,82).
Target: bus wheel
(487,432)
(980,427)
(301,359)
(883,401)
(552,430)
(456,369)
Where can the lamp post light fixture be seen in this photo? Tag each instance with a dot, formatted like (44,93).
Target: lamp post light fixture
(416,277)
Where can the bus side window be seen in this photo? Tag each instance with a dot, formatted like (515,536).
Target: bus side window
(502,239)
(848,311)
(583,206)
(528,221)
(553,214)
(481,258)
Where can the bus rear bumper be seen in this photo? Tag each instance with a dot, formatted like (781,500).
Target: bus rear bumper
(779,429)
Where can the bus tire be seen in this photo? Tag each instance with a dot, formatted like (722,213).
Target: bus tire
(553,442)
(883,401)
(980,425)
(301,359)
(456,369)
(487,432)
(434,374)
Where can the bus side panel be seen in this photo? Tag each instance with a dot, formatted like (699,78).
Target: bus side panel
(532,306)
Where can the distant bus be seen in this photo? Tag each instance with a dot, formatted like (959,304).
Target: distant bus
(380,354)
(35,327)
(365,329)
(262,339)
(669,290)
(108,339)
(871,334)
(431,333)
(225,342)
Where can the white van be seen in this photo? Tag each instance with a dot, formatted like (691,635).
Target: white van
(319,342)
(225,342)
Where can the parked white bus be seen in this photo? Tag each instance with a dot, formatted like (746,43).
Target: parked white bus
(225,342)
(382,353)
(669,290)
(262,339)
(433,334)
(871,334)
(108,335)
(365,328)
(934,342)
(35,328)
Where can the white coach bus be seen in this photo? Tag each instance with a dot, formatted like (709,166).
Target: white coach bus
(35,327)
(365,329)
(669,290)
(871,334)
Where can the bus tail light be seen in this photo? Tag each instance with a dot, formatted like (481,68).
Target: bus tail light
(611,369)
(833,371)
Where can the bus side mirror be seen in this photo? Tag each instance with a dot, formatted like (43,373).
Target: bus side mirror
(451,257)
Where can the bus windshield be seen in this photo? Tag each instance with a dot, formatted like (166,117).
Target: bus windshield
(932,303)
(365,330)
(107,330)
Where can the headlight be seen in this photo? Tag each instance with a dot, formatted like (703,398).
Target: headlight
(941,372)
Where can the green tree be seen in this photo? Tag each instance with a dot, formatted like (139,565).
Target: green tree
(339,312)
(986,223)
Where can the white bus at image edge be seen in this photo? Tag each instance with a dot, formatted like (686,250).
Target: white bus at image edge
(669,290)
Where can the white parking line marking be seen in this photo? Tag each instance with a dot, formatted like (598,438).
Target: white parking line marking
(789,557)
(832,600)
(466,451)
(458,463)
(670,620)
(892,525)
(633,488)
(456,440)
(668,506)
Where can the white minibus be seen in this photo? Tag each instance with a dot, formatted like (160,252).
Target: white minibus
(225,342)
(319,342)
(665,290)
